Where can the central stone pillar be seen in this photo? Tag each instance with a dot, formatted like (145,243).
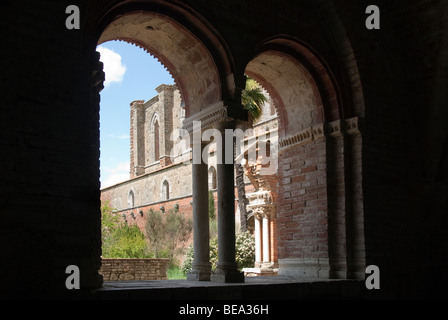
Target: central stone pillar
(227,268)
(201,267)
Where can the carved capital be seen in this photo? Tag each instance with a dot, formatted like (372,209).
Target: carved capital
(352,126)
(207,118)
(333,129)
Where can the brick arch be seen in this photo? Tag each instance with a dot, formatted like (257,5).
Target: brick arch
(319,202)
(193,53)
(299,82)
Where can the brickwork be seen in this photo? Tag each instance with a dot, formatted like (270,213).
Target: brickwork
(134,269)
(303,207)
(394,79)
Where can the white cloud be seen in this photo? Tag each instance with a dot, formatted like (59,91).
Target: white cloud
(113,67)
(115,175)
(123,136)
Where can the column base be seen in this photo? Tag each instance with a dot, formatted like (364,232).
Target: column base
(200,273)
(227,274)
(198,276)
(234,277)
(260,272)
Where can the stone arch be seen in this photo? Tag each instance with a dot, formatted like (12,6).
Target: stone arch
(155,138)
(298,80)
(212,178)
(165,190)
(184,42)
(319,162)
(131,199)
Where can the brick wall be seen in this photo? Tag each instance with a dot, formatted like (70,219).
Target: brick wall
(302,211)
(50,130)
(134,269)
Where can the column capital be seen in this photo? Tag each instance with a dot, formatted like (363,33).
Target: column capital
(207,118)
(263,211)
(353,125)
(333,129)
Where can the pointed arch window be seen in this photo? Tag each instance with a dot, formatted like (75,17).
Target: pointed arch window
(212,178)
(165,190)
(156,141)
(131,199)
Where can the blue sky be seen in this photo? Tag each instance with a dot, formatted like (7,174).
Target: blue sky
(131,74)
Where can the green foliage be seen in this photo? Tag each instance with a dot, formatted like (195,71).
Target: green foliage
(244,252)
(118,240)
(188,260)
(109,221)
(211,205)
(167,234)
(175,272)
(253,99)
(154,231)
(125,242)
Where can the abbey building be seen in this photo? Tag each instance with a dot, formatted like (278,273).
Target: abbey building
(161,167)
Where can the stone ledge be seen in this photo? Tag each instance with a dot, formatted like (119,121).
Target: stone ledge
(266,288)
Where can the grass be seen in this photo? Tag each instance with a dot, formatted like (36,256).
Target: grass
(175,273)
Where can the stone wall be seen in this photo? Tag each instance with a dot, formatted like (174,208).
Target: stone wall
(147,188)
(394,78)
(134,269)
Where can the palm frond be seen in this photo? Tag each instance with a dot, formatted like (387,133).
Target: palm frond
(253,99)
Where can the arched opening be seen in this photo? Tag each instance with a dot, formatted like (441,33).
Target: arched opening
(131,199)
(187,58)
(195,58)
(165,190)
(316,167)
(156,141)
(212,178)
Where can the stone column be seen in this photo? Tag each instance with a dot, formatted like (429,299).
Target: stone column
(336,195)
(356,262)
(258,261)
(201,268)
(266,256)
(227,268)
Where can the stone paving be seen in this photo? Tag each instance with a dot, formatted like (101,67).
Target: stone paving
(258,288)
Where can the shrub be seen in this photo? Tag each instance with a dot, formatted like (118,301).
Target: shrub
(120,241)
(125,242)
(244,252)
(167,234)
(211,205)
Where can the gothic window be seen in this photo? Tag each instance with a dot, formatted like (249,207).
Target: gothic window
(212,178)
(268,144)
(165,190)
(131,199)
(156,141)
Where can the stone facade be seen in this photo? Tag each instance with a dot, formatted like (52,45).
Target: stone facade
(166,181)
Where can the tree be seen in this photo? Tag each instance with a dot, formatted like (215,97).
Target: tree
(252,99)
(120,240)
(167,233)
